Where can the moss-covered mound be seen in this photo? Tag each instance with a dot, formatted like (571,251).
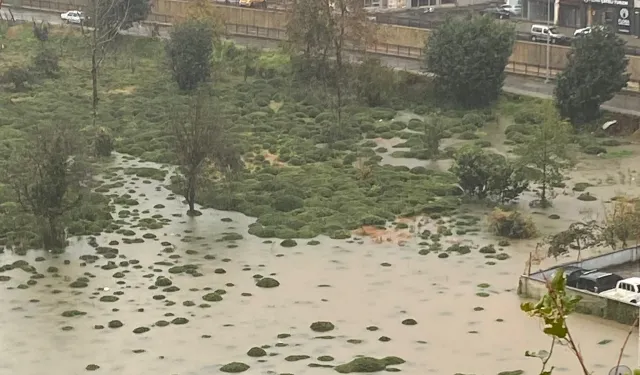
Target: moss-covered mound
(322,326)
(235,367)
(368,364)
(256,352)
(268,282)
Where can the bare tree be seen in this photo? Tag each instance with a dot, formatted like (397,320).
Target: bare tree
(324,29)
(107,18)
(579,236)
(48,178)
(200,140)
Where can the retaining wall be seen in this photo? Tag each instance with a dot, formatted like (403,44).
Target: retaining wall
(534,286)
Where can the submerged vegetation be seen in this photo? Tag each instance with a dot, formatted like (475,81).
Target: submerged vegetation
(303,159)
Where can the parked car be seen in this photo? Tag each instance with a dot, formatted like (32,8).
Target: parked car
(496,12)
(597,281)
(571,274)
(587,30)
(627,290)
(73,16)
(543,33)
(253,3)
(514,10)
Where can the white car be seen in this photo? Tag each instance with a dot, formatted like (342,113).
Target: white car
(627,290)
(73,16)
(587,30)
(515,10)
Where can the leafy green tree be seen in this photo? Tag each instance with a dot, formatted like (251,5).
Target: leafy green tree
(48,178)
(485,175)
(374,82)
(432,134)
(189,50)
(545,153)
(468,57)
(595,72)
(201,141)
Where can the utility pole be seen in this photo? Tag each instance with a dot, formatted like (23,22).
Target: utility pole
(548,77)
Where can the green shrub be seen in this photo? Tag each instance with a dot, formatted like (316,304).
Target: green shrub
(511,224)
(17,76)
(286,203)
(46,62)
(189,49)
(103,143)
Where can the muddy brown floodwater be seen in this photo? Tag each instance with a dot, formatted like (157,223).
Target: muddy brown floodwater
(353,285)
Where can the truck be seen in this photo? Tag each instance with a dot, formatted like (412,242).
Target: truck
(627,290)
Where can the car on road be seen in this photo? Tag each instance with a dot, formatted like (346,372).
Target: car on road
(514,10)
(73,16)
(496,12)
(598,281)
(253,3)
(543,33)
(587,30)
(627,290)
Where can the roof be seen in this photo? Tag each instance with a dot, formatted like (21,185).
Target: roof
(632,280)
(597,275)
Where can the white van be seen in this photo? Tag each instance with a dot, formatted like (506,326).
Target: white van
(543,32)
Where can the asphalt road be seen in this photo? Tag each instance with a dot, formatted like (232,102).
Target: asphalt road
(626,103)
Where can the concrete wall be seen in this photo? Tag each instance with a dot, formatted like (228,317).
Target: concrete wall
(534,286)
(616,258)
(591,303)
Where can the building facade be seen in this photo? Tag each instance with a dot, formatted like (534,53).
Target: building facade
(617,14)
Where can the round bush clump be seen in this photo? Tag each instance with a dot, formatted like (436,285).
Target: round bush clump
(140,330)
(163,281)
(286,203)
(180,321)
(108,299)
(409,322)
(268,282)
(586,197)
(212,297)
(288,243)
(256,352)
(234,367)
(115,324)
(322,326)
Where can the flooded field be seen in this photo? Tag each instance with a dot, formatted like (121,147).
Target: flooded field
(184,299)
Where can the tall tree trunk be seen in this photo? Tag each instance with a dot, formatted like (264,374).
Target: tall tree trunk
(94,83)
(191,193)
(53,237)
(543,196)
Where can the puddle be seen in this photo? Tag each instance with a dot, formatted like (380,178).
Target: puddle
(461,327)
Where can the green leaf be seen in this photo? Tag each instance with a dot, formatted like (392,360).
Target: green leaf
(556,329)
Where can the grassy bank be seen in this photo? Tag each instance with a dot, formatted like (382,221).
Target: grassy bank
(297,183)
